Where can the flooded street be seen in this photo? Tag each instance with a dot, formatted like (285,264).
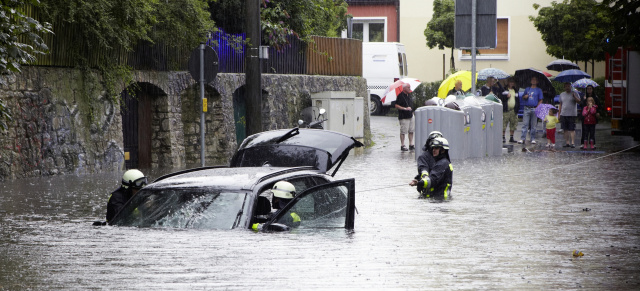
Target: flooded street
(513,223)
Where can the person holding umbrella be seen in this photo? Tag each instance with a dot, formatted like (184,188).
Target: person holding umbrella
(510,106)
(491,87)
(405,117)
(531,99)
(568,112)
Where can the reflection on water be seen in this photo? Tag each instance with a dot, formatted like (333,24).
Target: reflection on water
(513,224)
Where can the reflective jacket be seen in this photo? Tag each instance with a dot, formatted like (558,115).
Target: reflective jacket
(441,176)
(425,162)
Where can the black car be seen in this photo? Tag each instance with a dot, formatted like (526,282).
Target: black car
(239,196)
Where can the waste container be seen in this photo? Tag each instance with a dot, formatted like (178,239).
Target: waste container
(476,137)
(496,125)
(447,121)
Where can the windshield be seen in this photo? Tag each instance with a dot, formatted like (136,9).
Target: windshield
(183,208)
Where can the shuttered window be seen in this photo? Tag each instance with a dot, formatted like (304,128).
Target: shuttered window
(502,45)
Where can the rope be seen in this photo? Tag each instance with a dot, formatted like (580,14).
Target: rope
(575,164)
(385,187)
(527,173)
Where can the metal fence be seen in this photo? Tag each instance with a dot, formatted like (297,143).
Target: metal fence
(319,56)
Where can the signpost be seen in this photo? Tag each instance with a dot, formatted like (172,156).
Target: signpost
(475,28)
(203,66)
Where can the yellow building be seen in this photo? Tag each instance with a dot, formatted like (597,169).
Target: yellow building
(520,45)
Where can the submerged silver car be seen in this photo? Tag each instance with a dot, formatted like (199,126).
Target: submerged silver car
(239,196)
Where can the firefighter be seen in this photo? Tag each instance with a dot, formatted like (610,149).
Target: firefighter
(283,193)
(132,181)
(437,183)
(425,160)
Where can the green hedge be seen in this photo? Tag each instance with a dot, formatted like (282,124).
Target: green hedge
(424,92)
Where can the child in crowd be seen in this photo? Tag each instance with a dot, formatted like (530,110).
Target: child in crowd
(589,128)
(551,121)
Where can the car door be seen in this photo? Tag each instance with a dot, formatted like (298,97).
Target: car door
(330,205)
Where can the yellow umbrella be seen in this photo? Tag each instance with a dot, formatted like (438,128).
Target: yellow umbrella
(450,83)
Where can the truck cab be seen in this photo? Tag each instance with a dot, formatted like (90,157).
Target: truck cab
(382,64)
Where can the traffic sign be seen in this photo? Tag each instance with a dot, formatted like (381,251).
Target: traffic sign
(210,64)
(486,24)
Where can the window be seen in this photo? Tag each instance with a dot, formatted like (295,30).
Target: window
(376,32)
(369,29)
(357,31)
(502,46)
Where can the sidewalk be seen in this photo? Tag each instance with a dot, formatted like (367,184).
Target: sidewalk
(605,142)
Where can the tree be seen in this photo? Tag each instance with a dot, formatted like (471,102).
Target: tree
(625,23)
(573,29)
(440,29)
(20,36)
(280,19)
(20,42)
(109,25)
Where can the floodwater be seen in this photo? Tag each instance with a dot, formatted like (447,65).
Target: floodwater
(513,223)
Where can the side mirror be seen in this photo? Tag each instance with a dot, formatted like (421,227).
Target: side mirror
(322,111)
(300,122)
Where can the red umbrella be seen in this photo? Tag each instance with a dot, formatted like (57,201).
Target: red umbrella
(394,89)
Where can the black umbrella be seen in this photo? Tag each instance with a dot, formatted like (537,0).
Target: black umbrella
(561,65)
(523,79)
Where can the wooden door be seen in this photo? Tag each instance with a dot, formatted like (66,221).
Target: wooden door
(136,129)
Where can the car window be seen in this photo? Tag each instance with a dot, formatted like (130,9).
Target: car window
(295,147)
(183,208)
(283,156)
(324,206)
(300,183)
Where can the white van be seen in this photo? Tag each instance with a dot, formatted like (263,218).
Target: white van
(382,64)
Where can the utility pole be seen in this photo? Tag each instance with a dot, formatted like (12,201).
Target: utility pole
(474,31)
(253,83)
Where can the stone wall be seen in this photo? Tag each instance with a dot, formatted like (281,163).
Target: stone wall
(63,122)
(55,130)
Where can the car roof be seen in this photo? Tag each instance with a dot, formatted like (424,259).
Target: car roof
(321,149)
(225,177)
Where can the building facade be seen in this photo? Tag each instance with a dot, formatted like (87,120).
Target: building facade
(519,44)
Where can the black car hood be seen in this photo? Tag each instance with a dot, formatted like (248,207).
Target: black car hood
(321,149)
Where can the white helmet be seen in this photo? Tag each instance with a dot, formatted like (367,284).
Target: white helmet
(435,134)
(284,189)
(134,179)
(440,142)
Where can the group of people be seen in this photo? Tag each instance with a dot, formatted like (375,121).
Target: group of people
(532,97)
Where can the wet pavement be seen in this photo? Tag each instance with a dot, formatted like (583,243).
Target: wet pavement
(513,223)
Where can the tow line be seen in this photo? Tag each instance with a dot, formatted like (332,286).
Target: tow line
(527,173)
